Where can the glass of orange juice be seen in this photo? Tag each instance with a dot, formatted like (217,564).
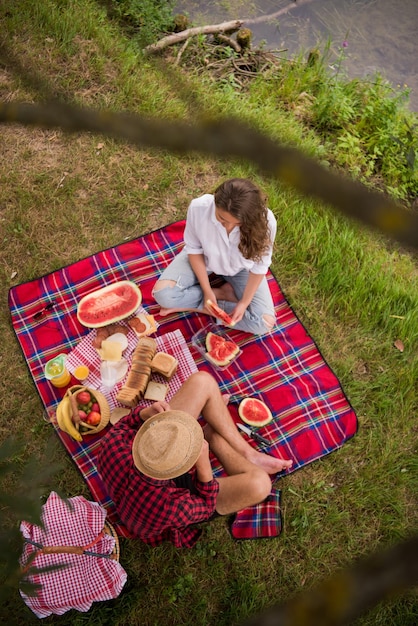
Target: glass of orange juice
(81,372)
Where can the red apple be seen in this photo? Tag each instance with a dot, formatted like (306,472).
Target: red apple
(83,397)
(93,418)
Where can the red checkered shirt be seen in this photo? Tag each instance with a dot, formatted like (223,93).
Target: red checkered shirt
(152,510)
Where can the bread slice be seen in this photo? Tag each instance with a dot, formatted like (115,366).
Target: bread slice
(128,397)
(164,364)
(155,391)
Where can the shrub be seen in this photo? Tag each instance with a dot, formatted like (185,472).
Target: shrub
(144,19)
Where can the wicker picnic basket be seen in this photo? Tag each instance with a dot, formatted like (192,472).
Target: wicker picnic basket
(102,402)
(109,529)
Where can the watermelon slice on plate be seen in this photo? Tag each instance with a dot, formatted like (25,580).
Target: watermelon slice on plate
(219,350)
(216,346)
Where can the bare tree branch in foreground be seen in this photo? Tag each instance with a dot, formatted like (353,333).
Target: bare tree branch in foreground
(229,138)
(348,594)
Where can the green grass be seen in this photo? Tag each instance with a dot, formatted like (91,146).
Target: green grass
(66,197)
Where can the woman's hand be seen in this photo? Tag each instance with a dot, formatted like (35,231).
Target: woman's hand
(238,313)
(208,294)
(157,407)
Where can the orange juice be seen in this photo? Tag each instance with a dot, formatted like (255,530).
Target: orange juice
(81,372)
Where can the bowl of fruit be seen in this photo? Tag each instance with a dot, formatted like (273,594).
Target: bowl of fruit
(82,411)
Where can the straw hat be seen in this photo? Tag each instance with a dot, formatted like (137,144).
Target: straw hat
(167,445)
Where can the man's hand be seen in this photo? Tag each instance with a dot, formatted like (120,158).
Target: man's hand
(157,407)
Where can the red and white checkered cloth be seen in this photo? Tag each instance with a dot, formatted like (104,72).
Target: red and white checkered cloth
(86,578)
(173,343)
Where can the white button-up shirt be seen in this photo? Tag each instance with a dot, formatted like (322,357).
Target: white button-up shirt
(204,234)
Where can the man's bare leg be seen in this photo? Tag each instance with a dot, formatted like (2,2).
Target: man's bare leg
(245,483)
(200,394)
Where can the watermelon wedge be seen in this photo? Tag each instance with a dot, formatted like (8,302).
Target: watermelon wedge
(223,352)
(216,310)
(219,350)
(254,412)
(109,304)
(213,340)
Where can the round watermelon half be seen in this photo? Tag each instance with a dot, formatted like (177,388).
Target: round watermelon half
(109,304)
(223,353)
(254,412)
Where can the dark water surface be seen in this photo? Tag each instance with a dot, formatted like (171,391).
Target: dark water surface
(382,35)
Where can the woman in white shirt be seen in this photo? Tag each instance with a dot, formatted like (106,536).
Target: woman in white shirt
(230,234)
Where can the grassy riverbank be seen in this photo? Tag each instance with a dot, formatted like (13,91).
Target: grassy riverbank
(65,197)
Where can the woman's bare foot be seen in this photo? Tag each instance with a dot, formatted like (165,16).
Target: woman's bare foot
(163,312)
(225,292)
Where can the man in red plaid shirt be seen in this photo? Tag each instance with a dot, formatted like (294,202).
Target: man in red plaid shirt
(157,510)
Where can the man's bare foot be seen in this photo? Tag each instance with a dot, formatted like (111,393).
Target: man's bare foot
(225,292)
(225,398)
(269,463)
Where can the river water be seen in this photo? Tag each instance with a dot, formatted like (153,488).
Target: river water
(378,35)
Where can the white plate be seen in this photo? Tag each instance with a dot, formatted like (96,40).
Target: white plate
(119,338)
(112,372)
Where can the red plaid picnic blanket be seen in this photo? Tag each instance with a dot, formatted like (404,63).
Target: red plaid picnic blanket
(312,415)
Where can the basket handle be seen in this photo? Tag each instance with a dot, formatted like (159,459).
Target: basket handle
(61,550)
(79,388)
(72,549)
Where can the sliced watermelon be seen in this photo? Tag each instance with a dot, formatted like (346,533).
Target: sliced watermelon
(213,340)
(223,352)
(254,412)
(109,304)
(216,310)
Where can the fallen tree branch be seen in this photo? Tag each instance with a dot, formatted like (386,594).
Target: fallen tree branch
(244,72)
(170,40)
(182,49)
(229,42)
(272,16)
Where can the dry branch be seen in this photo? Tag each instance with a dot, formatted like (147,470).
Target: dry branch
(229,42)
(276,14)
(170,40)
(182,49)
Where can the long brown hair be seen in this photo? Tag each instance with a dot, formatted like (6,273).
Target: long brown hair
(246,202)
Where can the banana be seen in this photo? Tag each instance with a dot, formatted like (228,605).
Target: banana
(67,422)
(59,414)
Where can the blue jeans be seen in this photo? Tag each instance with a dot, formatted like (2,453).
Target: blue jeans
(187,294)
